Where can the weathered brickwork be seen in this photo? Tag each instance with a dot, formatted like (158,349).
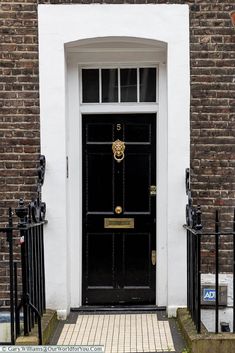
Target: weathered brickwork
(19,124)
(212,105)
(212,120)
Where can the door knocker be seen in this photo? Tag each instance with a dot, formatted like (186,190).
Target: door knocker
(118,148)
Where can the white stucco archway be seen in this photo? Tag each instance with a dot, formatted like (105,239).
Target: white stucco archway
(61,30)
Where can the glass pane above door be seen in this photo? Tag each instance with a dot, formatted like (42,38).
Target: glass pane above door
(128,85)
(148,84)
(119,85)
(90,85)
(109,82)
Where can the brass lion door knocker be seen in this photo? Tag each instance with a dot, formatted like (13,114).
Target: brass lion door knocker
(118,148)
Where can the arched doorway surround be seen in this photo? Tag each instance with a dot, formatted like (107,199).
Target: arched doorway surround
(67,43)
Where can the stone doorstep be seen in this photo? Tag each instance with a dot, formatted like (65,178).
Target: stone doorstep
(49,323)
(205,342)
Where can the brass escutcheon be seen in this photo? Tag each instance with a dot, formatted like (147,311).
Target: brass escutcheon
(118,148)
(118,209)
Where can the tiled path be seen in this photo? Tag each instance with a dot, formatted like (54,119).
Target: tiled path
(121,333)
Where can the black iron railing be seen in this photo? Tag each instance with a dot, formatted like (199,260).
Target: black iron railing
(26,273)
(195,233)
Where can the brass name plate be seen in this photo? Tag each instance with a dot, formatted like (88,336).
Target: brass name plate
(119,223)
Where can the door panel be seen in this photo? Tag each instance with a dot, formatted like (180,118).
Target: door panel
(137,133)
(117,265)
(137,263)
(138,168)
(98,200)
(100,269)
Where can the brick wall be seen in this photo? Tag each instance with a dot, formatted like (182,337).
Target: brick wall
(212,121)
(212,105)
(19,124)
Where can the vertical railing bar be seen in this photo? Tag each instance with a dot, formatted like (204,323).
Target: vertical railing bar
(43,271)
(216,271)
(10,241)
(35,270)
(188,269)
(192,263)
(198,228)
(28,278)
(17,315)
(27,253)
(193,276)
(39,271)
(24,283)
(234,271)
(32,274)
(199,282)
(24,290)
(31,313)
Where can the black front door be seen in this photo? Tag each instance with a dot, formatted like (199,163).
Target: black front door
(119,209)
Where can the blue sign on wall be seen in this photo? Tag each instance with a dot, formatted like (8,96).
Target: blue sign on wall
(209,294)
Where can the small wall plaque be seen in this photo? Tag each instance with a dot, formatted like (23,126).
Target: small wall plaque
(119,223)
(208,295)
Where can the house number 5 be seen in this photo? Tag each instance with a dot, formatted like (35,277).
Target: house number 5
(119,127)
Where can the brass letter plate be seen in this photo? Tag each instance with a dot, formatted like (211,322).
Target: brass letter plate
(119,223)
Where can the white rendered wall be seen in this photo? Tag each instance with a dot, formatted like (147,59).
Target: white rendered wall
(63,24)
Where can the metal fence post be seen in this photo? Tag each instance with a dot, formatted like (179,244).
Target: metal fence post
(217,234)
(233,271)
(22,212)
(10,241)
(198,228)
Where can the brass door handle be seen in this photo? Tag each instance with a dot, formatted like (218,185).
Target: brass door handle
(118,148)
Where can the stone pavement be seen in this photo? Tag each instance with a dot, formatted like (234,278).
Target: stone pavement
(121,332)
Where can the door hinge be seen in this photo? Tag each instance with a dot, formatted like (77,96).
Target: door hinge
(153,257)
(153,190)
(67,166)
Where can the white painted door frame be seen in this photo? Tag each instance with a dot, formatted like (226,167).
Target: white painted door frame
(62,27)
(74,144)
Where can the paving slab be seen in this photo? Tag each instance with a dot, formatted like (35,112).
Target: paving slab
(121,332)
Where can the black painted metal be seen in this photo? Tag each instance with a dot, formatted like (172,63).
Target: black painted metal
(38,208)
(198,227)
(194,233)
(17,316)
(233,271)
(117,266)
(10,241)
(217,234)
(118,308)
(194,227)
(33,298)
(29,232)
